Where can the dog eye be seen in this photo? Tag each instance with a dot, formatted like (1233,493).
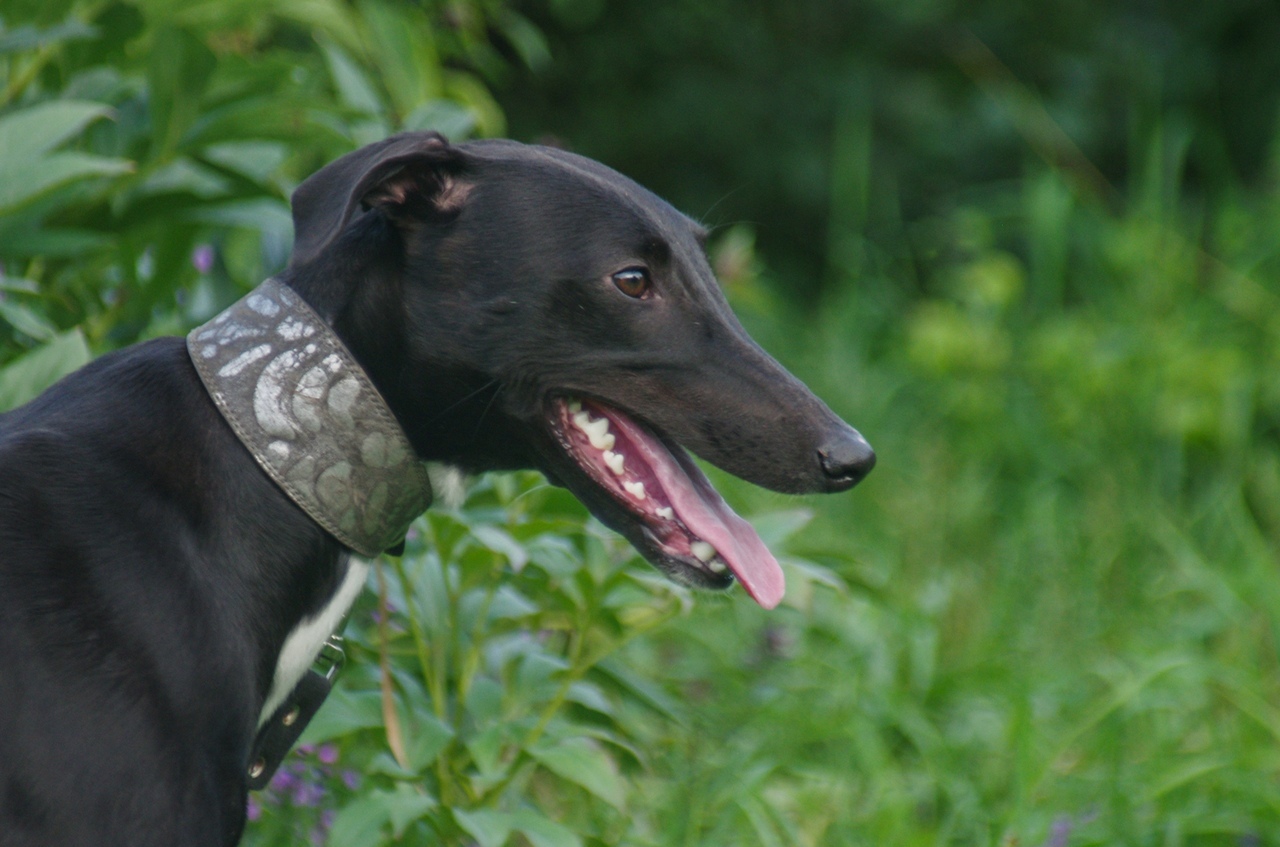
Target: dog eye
(633,282)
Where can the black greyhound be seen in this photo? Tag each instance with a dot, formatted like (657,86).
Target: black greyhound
(161,587)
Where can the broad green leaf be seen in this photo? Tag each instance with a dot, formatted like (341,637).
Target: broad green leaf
(487,827)
(583,762)
(470,92)
(268,118)
(22,181)
(353,86)
(28,375)
(184,176)
(27,133)
(500,541)
(13,283)
(344,712)
(774,528)
(180,67)
(486,750)
(814,572)
(538,675)
(405,805)
(444,116)
(509,603)
(35,240)
(384,763)
(24,38)
(257,160)
(26,321)
(641,690)
(404,49)
(758,814)
(27,168)
(526,38)
(589,695)
(543,832)
(360,823)
(262,214)
(429,738)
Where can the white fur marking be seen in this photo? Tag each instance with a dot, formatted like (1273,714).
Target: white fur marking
(303,644)
(448,482)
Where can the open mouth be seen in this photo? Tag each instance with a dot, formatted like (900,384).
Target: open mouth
(684,524)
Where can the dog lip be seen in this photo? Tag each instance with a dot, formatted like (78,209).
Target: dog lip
(662,478)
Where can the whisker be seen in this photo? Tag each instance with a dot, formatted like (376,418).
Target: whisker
(458,403)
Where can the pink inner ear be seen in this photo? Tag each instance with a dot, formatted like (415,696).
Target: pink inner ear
(452,194)
(393,192)
(446,193)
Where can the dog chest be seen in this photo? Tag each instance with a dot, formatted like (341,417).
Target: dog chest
(303,644)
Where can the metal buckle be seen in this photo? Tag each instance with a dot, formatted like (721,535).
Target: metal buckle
(278,735)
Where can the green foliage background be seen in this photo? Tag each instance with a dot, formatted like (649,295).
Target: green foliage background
(1031,250)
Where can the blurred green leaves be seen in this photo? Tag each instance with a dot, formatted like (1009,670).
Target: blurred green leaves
(134,134)
(30,168)
(1048,617)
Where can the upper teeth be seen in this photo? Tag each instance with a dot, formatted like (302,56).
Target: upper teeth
(717,566)
(614,461)
(703,551)
(597,431)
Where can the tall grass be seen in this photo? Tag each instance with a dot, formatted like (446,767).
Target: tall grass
(1049,617)
(1060,619)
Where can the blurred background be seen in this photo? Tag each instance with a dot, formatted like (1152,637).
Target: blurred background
(1031,250)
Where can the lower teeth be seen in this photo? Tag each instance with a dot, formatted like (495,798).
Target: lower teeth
(703,551)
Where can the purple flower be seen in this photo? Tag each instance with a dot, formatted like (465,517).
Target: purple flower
(254,810)
(202,258)
(307,749)
(307,794)
(351,779)
(284,780)
(326,819)
(1059,832)
(328,753)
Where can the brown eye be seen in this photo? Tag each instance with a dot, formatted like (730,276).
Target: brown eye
(633,282)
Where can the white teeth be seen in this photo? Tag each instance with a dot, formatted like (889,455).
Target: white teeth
(703,551)
(717,566)
(614,461)
(666,513)
(598,434)
(597,431)
(635,489)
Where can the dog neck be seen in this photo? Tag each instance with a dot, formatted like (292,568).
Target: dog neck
(311,417)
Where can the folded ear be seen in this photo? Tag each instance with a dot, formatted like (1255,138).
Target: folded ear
(392,173)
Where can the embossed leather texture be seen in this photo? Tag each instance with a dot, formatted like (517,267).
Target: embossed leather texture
(311,417)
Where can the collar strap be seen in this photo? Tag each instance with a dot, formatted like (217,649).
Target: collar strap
(311,417)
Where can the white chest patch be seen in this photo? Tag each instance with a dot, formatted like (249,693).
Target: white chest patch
(303,644)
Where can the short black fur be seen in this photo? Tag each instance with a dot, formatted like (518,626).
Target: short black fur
(150,571)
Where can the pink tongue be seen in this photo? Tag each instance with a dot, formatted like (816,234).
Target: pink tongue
(702,509)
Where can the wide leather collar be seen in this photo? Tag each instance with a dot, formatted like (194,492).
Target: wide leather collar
(311,417)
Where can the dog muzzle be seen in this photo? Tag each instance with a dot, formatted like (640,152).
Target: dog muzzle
(311,417)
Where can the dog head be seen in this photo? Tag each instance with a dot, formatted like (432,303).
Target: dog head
(521,306)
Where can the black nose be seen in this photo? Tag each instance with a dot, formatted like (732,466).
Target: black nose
(846,459)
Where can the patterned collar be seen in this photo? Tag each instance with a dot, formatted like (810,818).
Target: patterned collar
(311,417)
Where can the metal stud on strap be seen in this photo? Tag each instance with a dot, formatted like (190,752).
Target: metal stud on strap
(285,727)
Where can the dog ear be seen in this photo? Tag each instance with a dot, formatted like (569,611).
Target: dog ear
(388,174)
